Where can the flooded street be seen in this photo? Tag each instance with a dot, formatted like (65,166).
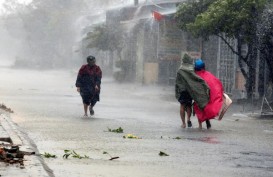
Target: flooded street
(48,108)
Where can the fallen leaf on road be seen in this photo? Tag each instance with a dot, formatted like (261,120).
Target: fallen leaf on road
(131,136)
(48,155)
(111,158)
(162,154)
(118,130)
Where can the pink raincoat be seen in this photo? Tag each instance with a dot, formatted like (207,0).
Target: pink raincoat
(214,106)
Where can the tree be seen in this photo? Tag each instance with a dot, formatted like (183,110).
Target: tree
(48,30)
(106,39)
(265,39)
(234,19)
(188,11)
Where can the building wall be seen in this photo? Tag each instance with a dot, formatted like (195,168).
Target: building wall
(170,40)
(171,43)
(150,73)
(239,81)
(154,49)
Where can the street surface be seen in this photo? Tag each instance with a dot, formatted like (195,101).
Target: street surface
(48,108)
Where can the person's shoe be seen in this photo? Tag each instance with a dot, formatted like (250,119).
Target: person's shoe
(189,124)
(208,124)
(91,111)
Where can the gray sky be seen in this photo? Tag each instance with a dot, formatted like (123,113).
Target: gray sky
(20,1)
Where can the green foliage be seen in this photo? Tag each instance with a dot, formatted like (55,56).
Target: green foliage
(48,155)
(105,38)
(74,155)
(187,11)
(131,136)
(235,19)
(232,17)
(212,17)
(177,138)
(118,130)
(97,38)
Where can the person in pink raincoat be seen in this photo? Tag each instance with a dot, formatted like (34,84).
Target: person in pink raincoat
(214,106)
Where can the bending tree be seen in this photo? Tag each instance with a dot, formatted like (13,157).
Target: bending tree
(265,39)
(48,28)
(232,19)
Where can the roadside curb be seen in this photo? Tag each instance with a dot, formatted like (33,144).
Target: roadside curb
(34,164)
(11,130)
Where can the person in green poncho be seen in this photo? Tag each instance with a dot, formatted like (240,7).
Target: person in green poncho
(188,87)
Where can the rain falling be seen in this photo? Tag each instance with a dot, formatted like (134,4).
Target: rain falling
(136,88)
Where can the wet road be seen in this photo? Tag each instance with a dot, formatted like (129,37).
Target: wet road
(49,109)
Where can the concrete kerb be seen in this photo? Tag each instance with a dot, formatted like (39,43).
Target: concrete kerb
(34,164)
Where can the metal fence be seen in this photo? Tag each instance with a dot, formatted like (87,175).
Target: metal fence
(226,65)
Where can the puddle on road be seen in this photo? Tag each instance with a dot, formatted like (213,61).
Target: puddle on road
(70,95)
(210,140)
(268,131)
(255,166)
(258,160)
(249,153)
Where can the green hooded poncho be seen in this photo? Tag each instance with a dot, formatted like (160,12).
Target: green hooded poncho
(187,80)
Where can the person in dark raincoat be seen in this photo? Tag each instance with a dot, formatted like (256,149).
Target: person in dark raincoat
(88,84)
(188,87)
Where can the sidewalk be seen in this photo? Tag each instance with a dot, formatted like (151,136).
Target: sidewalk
(33,164)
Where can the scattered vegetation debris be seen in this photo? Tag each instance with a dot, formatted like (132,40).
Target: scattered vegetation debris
(177,138)
(162,154)
(74,155)
(131,136)
(48,155)
(11,154)
(111,158)
(118,130)
(4,107)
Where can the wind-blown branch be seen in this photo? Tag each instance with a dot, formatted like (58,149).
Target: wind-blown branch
(229,45)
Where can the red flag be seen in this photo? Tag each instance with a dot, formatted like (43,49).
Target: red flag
(157,16)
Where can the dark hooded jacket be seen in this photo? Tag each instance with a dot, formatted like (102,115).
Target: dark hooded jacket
(88,78)
(187,80)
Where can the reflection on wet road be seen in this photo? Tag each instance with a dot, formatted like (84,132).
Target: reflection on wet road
(211,140)
(49,109)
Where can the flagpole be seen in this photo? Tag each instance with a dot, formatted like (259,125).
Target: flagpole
(157,17)
(158,39)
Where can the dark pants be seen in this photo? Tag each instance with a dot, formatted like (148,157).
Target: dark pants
(88,98)
(185,99)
